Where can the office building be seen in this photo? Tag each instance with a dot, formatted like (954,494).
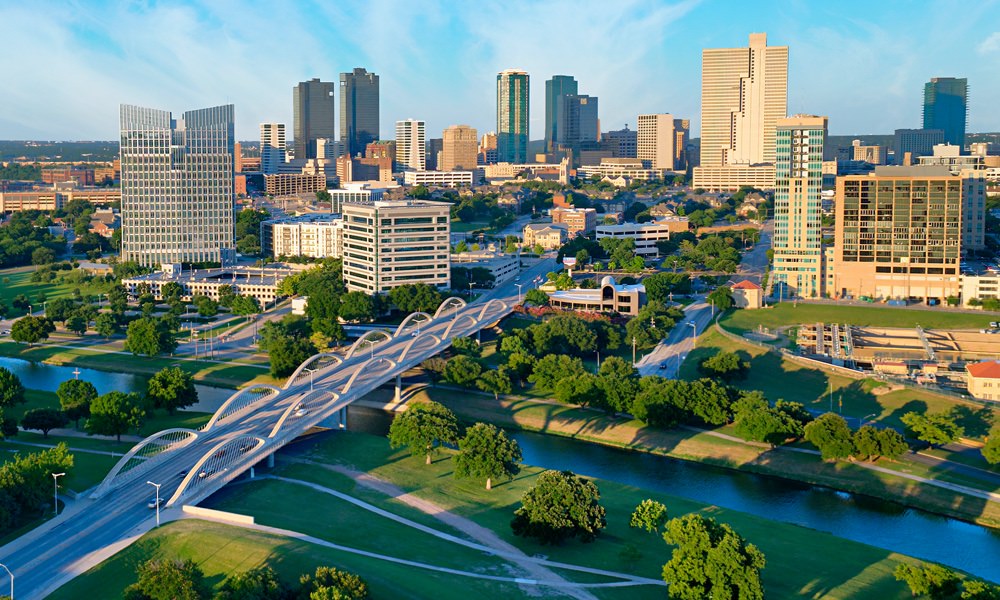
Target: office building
(460,149)
(177,186)
(874,155)
(313,115)
(364,169)
(381,149)
(946,107)
(623,143)
(624,299)
(626,168)
(577,121)
(410,145)
(359,124)
(272,147)
(313,236)
(744,91)
(661,141)
(899,233)
(435,148)
(81,175)
(354,193)
(393,243)
(262,284)
(555,89)
(798,231)
(914,143)
(512,116)
(290,184)
(646,235)
(576,220)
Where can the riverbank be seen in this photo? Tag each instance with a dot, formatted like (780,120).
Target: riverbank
(700,446)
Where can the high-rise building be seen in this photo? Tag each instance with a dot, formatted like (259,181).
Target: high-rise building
(313,114)
(410,145)
(661,141)
(744,91)
(798,228)
(577,120)
(622,143)
(916,143)
(488,149)
(433,153)
(512,116)
(555,89)
(382,252)
(461,145)
(177,186)
(272,147)
(359,125)
(946,108)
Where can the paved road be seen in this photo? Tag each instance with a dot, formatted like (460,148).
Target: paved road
(672,351)
(754,262)
(92,530)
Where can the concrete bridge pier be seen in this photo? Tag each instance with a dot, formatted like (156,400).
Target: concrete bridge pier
(479,337)
(270,461)
(399,388)
(337,420)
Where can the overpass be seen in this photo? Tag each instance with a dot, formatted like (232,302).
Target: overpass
(255,422)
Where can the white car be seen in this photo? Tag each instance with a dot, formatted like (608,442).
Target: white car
(301,412)
(154,502)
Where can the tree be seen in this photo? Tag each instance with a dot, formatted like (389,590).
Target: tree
(106,325)
(537,297)
(244,306)
(206,306)
(582,389)
(169,580)
(76,323)
(977,589)
(171,291)
(991,449)
(31,329)
(416,297)
(149,336)
(44,420)
(434,368)
(287,353)
(466,346)
(486,452)
(649,515)
(423,427)
(357,306)
(59,309)
(11,389)
(259,583)
(495,382)
(660,286)
(561,505)
(462,370)
(43,256)
(762,423)
(831,435)
(75,398)
(332,584)
(722,298)
(724,365)
(936,429)
(553,368)
(935,581)
(115,413)
(619,383)
(171,388)
(226,295)
(710,560)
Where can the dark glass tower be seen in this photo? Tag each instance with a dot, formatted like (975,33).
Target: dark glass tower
(358,110)
(946,107)
(555,89)
(314,115)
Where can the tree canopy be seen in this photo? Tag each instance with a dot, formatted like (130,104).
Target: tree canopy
(11,388)
(172,388)
(561,505)
(75,398)
(710,560)
(936,429)
(115,413)
(831,436)
(423,428)
(169,580)
(485,452)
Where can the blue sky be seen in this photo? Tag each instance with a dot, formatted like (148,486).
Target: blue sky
(68,65)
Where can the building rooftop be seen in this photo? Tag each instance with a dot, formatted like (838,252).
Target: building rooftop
(988,369)
(746,284)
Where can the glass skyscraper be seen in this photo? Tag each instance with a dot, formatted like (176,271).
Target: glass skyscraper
(177,186)
(555,89)
(512,116)
(359,125)
(946,107)
(313,114)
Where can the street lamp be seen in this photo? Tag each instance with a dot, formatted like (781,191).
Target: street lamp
(633,350)
(11,580)
(470,290)
(694,334)
(55,492)
(156,501)
(518,286)
(310,371)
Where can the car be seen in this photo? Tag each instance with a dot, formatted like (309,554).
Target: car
(415,334)
(183,473)
(154,502)
(663,365)
(301,412)
(5,332)
(205,473)
(994,324)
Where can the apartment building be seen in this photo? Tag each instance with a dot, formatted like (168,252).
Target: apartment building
(547,235)
(577,220)
(314,236)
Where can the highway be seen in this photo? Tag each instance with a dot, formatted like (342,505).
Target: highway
(237,439)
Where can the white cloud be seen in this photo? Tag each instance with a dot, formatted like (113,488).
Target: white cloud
(990,44)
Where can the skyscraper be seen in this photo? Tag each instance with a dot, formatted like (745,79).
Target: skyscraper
(461,146)
(744,91)
(512,116)
(577,120)
(358,110)
(660,141)
(410,153)
(945,107)
(177,186)
(798,229)
(314,115)
(272,147)
(555,89)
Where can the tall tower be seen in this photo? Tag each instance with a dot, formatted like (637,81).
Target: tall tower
(744,91)
(460,148)
(578,120)
(512,116)
(410,152)
(177,186)
(358,110)
(946,107)
(272,147)
(555,89)
(314,115)
(798,229)
(655,141)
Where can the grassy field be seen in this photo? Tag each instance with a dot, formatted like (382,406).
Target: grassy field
(788,313)
(801,562)
(88,469)
(20,283)
(463,227)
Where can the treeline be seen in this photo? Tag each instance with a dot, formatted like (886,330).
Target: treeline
(26,484)
(21,238)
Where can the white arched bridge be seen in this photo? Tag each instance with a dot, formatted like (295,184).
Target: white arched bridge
(189,465)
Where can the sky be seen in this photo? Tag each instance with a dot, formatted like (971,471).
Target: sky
(68,65)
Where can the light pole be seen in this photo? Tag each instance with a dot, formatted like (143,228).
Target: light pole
(694,334)
(633,350)
(470,290)
(55,492)
(11,580)
(598,360)
(156,501)
(518,286)
(310,371)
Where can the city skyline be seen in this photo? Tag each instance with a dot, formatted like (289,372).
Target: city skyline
(111,61)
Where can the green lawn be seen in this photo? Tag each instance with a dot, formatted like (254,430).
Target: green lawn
(88,469)
(463,227)
(788,313)
(20,283)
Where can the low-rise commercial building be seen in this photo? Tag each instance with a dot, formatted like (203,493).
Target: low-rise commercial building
(501,266)
(547,235)
(355,192)
(577,220)
(645,234)
(613,168)
(313,236)
(980,287)
(610,296)
(438,178)
(287,184)
(984,379)
(747,294)
(262,284)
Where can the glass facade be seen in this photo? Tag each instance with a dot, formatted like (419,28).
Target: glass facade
(359,107)
(555,89)
(512,116)
(945,107)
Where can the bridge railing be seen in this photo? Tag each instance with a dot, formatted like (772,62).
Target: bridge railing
(143,457)
(450,305)
(240,402)
(417,318)
(368,338)
(220,460)
(328,356)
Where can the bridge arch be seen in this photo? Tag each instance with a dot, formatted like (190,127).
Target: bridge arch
(406,349)
(144,454)
(410,319)
(217,462)
(367,367)
(450,304)
(330,355)
(242,400)
(368,337)
(454,322)
(489,304)
(288,412)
